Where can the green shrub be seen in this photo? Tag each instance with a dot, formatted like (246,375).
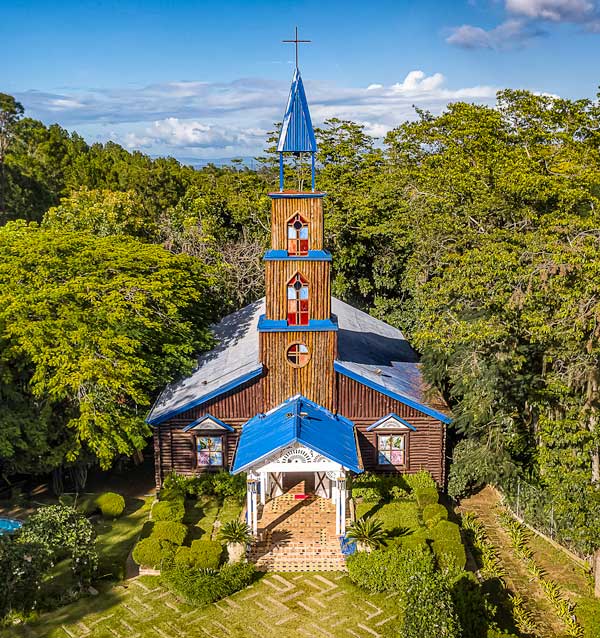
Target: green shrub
(412,541)
(434,513)
(202,587)
(388,570)
(111,504)
(445,531)
(206,554)
(449,554)
(397,493)
(171,531)
(471,606)
(422,480)
(430,608)
(426,496)
(169,511)
(153,552)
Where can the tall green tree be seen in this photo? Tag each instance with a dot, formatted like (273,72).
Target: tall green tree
(11,112)
(91,327)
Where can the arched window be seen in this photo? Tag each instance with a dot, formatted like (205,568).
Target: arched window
(297,301)
(297,236)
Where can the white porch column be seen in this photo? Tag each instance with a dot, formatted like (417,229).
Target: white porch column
(340,505)
(264,482)
(252,503)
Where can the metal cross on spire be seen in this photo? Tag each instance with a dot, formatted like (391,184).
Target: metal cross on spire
(296,42)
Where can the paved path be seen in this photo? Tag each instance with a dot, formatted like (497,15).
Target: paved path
(312,605)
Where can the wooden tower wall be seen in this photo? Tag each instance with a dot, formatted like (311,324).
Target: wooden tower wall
(315,380)
(309,208)
(279,273)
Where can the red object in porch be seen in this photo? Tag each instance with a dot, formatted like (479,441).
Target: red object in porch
(300,497)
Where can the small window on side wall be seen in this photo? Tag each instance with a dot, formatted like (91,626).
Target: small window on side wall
(209,451)
(390,449)
(297,236)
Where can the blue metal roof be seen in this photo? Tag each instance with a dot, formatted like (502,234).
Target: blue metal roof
(297,135)
(301,421)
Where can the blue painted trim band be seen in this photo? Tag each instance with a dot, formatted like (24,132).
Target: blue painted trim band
(284,195)
(281,325)
(391,415)
(207,416)
(207,397)
(282,255)
(393,395)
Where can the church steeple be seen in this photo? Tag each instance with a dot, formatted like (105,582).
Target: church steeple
(297,135)
(298,335)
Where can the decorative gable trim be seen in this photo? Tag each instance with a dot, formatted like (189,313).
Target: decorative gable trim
(392,422)
(208,423)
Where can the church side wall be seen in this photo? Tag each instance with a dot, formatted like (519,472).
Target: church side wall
(425,447)
(174,448)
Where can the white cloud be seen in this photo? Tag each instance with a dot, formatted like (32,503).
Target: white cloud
(510,34)
(553,10)
(524,25)
(205,119)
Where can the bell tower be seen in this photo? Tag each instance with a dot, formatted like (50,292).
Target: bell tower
(298,335)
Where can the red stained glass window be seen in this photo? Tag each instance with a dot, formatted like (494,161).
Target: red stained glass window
(297,301)
(297,236)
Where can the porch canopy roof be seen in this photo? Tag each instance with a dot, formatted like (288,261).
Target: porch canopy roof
(297,421)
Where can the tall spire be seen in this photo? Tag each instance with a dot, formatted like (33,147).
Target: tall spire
(297,134)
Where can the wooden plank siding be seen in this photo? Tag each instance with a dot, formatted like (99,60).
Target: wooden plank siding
(425,448)
(279,273)
(309,208)
(315,380)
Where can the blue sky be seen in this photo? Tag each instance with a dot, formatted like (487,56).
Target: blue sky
(208,79)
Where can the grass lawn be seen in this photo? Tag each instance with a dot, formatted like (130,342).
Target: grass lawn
(311,605)
(205,516)
(397,516)
(117,537)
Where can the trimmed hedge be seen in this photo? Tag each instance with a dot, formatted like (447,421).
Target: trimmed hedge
(202,587)
(152,552)
(447,545)
(171,531)
(169,511)
(434,513)
(201,555)
(111,504)
(419,481)
(388,570)
(426,496)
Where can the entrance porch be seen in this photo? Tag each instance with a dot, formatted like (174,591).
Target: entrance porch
(296,531)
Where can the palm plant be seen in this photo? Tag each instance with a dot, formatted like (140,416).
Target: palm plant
(236,531)
(237,535)
(367,533)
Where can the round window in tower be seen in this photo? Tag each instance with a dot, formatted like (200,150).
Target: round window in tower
(297,355)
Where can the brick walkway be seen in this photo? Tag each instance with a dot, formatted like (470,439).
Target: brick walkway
(297,535)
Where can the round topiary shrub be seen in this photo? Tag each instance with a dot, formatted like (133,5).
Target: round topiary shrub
(434,513)
(171,531)
(151,552)
(168,511)
(206,554)
(111,504)
(426,496)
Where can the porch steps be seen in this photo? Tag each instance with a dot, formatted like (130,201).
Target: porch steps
(297,557)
